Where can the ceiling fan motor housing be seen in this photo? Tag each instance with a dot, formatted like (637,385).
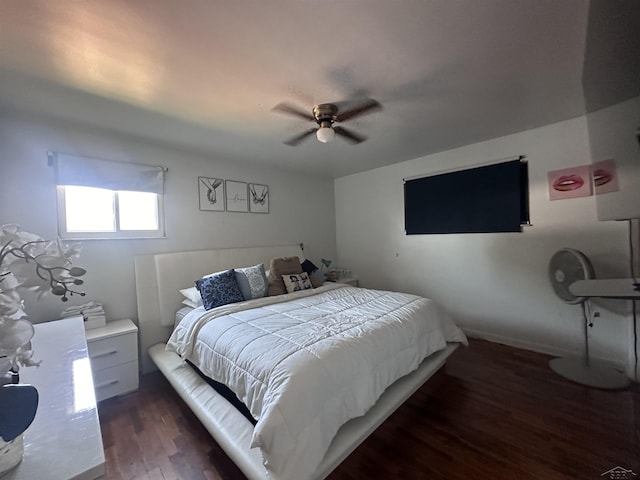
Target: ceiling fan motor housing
(325,114)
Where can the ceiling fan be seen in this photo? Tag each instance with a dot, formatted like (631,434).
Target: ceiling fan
(325,115)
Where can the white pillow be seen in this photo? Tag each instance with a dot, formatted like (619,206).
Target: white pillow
(191,303)
(192,297)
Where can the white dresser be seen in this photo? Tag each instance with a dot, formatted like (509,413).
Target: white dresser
(64,441)
(113,350)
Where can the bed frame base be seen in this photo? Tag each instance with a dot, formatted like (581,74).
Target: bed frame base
(233,431)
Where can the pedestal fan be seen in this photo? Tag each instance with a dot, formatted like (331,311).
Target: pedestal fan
(565,267)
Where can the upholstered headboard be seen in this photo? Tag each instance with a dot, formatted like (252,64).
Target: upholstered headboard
(159,277)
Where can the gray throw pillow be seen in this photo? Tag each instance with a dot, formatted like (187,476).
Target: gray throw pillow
(252,281)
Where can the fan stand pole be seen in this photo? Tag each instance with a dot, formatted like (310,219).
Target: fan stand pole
(586,333)
(586,372)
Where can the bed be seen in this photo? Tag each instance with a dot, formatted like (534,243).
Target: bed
(159,279)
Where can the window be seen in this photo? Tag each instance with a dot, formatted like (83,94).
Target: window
(102,199)
(88,212)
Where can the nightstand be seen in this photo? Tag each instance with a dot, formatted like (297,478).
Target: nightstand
(353,281)
(113,350)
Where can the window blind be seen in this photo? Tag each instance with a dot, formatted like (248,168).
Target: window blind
(491,198)
(112,175)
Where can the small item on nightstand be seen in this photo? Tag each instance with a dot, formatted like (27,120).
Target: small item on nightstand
(94,321)
(336,274)
(331,276)
(93,313)
(342,273)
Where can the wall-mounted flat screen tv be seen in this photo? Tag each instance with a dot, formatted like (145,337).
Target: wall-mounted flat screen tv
(491,198)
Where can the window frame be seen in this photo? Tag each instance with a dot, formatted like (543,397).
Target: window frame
(115,235)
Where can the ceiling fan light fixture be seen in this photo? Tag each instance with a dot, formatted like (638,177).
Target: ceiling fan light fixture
(325,134)
(325,115)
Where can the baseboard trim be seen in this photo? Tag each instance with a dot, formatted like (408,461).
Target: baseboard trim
(540,348)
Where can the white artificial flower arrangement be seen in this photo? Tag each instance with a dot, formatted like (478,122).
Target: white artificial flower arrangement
(28,262)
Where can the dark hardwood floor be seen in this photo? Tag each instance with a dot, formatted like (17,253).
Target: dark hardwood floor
(494,412)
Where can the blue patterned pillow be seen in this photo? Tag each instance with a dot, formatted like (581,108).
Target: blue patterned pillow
(219,289)
(252,281)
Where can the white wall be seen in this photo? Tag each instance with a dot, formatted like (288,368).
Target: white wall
(494,285)
(613,135)
(301,207)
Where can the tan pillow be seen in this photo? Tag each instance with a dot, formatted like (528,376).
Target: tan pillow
(279,267)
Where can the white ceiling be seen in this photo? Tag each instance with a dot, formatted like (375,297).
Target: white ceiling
(205,74)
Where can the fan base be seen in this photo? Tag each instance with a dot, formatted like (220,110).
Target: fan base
(593,375)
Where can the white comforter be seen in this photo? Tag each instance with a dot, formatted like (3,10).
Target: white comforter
(305,363)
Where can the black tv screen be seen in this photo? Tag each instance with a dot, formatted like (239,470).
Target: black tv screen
(492,198)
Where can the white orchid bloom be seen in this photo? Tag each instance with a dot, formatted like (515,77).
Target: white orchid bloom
(28,262)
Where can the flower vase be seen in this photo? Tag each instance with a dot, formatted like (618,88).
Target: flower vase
(11,453)
(18,405)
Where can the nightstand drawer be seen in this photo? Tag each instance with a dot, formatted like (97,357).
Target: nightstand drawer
(117,380)
(107,352)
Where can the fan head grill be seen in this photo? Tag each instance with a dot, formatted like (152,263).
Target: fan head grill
(566,267)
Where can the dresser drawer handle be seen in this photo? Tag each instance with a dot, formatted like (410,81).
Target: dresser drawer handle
(107,384)
(105,354)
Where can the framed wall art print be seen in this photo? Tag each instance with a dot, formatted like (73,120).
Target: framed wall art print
(211,194)
(237,198)
(258,198)
(570,183)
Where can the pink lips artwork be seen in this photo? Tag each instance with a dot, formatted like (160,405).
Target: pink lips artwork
(601,177)
(570,183)
(605,177)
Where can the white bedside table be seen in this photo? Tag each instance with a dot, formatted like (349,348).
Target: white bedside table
(113,350)
(353,281)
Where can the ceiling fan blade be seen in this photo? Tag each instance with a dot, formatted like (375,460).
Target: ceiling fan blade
(349,135)
(291,110)
(366,107)
(298,138)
